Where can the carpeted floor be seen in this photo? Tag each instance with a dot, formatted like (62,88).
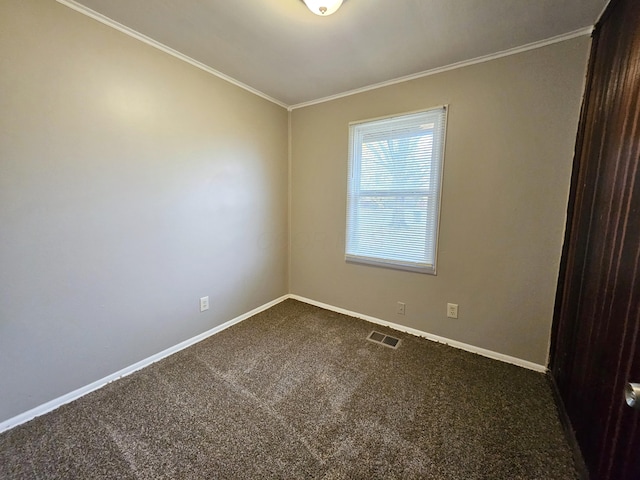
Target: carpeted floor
(298,392)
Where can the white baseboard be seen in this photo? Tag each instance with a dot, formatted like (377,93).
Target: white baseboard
(82,391)
(452,343)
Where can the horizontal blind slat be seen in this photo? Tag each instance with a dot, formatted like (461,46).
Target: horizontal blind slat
(393,197)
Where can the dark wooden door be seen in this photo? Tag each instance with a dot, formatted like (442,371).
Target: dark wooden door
(595,343)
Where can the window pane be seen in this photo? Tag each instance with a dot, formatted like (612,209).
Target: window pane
(394,190)
(397,163)
(392,227)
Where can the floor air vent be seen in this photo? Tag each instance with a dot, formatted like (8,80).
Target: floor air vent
(386,340)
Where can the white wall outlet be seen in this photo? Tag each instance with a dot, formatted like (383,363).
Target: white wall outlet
(452,310)
(400,308)
(204,304)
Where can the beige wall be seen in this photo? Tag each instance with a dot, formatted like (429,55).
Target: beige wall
(131,184)
(510,138)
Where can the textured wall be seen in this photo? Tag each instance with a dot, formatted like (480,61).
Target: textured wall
(131,184)
(511,132)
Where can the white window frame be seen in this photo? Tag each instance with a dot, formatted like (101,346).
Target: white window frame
(355,192)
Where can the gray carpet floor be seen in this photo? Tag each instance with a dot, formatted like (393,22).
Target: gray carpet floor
(298,392)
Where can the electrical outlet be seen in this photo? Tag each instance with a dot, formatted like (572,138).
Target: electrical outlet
(400,308)
(204,304)
(452,310)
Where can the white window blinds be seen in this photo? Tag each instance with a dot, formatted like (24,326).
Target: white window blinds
(393,201)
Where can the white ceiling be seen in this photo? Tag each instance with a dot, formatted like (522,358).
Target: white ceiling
(281,49)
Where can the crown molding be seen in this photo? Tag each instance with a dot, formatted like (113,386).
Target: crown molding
(604,9)
(453,66)
(160,46)
(465,63)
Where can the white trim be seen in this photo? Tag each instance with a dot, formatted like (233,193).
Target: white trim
(452,343)
(160,46)
(604,9)
(465,63)
(393,116)
(385,126)
(74,5)
(82,391)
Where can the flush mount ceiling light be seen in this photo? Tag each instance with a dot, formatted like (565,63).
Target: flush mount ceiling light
(323,7)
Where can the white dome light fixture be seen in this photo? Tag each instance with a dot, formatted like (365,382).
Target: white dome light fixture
(323,7)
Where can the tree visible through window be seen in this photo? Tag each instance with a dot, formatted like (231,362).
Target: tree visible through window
(395,167)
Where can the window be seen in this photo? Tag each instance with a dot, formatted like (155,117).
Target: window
(393,200)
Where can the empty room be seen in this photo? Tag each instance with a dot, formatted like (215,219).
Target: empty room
(324,239)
